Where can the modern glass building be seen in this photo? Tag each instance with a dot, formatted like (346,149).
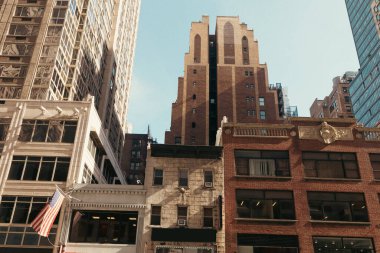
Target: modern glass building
(365,89)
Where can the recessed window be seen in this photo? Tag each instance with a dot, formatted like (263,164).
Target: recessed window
(177,140)
(4,127)
(39,168)
(208,219)
(330,165)
(110,227)
(258,204)
(262,115)
(135,166)
(193,110)
(158,176)
(347,99)
(375,162)
(337,206)
(261,101)
(343,244)
(208,178)
(194,96)
(155,217)
(135,153)
(194,71)
(182,215)
(250,112)
(183,178)
(193,124)
(265,243)
(262,163)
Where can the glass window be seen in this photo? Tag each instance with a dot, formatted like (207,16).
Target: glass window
(158,177)
(265,204)
(261,101)
(182,214)
(183,178)
(208,220)
(39,168)
(103,227)
(375,162)
(330,165)
(208,178)
(332,206)
(155,218)
(262,163)
(343,244)
(4,127)
(267,243)
(177,140)
(262,115)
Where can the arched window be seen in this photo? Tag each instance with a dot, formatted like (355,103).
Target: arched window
(229,45)
(245,50)
(197,48)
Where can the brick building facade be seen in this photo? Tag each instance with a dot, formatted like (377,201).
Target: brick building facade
(223,77)
(338,103)
(301,186)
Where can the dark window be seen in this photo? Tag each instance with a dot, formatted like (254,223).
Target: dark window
(4,127)
(375,162)
(177,140)
(182,215)
(330,206)
(194,71)
(158,177)
(194,96)
(193,124)
(208,178)
(39,168)
(330,165)
(208,220)
(264,243)
(48,131)
(245,51)
(262,163)
(183,177)
(265,204)
(155,218)
(104,227)
(347,99)
(343,244)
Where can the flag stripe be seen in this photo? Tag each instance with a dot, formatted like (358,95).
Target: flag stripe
(45,219)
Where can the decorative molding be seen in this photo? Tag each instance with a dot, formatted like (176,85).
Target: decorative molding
(107,206)
(111,191)
(325,133)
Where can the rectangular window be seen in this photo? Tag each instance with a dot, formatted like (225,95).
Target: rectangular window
(330,165)
(182,215)
(135,166)
(136,143)
(208,178)
(261,101)
(48,131)
(177,140)
(262,115)
(208,220)
(155,218)
(135,153)
(343,244)
(183,177)
(262,163)
(258,204)
(265,243)
(341,206)
(103,227)
(158,177)
(375,162)
(4,127)
(39,168)
(347,99)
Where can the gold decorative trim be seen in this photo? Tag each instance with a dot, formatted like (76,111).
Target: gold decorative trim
(325,133)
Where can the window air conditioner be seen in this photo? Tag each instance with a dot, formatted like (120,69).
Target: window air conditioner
(181,222)
(208,184)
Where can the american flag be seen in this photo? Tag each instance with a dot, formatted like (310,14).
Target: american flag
(45,219)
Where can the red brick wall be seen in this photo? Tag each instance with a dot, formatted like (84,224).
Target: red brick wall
(224,92)
(176,121)
(303,228)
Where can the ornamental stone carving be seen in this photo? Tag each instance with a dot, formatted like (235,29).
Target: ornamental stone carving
(325,133)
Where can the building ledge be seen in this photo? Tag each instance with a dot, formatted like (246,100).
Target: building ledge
(333,179)
(355,223)
(283,221)
(263,177)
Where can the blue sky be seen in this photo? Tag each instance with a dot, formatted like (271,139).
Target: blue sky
(305,44)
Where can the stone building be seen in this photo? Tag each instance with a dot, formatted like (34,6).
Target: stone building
(222,77)
(68,50)
(44,144)
(338,103)
(184,200)
(305,185)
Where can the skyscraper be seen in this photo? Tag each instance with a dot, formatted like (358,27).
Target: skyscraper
(69,49)
(223,77)
(365,94)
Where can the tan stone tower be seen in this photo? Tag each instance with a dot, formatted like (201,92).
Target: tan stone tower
(223,77)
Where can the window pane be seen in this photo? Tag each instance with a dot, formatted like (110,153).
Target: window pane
(61,171)
(21,212)
(31,170)
(16,170)
(46,171)
(69,132)
(40,131)
(55,131)
(26,130)
(6,209)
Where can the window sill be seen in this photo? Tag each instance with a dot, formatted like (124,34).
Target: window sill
(356,223)
(333,179)
(154,226)
(264,177)
(266,220)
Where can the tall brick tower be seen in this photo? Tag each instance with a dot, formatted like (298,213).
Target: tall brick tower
(223,77)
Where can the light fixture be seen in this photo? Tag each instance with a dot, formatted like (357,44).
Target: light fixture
(275,203)
(132,218)
(258,203)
